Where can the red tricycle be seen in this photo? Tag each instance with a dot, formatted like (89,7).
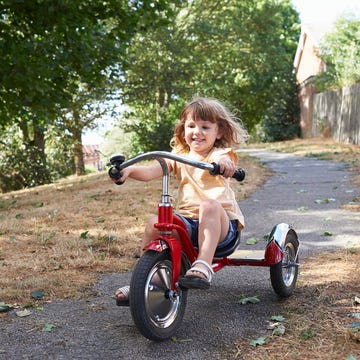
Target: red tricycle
(157,301)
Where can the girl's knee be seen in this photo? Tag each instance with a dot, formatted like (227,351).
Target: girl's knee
(209,206)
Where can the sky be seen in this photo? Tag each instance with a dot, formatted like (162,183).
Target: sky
(325,10)
(318,11)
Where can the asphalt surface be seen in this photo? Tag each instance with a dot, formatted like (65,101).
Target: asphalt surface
(304,192)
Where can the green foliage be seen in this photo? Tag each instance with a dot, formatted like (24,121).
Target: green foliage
(15,170)
(153,128)
(48,48)
(341,53)
(59,153)
(60,60)
(117,142)
(239,52)
(56,58)
(281,122)
(245,52)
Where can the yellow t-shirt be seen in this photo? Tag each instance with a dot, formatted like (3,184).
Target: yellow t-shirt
(196,185)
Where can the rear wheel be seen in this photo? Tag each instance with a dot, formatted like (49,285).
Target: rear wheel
(156,310)
(284,274)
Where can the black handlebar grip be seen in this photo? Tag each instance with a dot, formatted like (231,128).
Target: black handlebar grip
(239,174)
(116,160)
(115,174)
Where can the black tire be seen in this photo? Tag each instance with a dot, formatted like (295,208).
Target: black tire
(284,274)
(155,311)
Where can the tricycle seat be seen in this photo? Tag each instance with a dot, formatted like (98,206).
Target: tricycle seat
(229,248)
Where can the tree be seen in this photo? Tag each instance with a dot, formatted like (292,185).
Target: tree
(156,76)
(239,52)
(49,50)
(246,52)
(85,108)
(341,53)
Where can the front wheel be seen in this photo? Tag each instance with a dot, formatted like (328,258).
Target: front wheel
(156,310)
(284,274)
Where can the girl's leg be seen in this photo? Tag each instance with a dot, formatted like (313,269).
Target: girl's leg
(149,233)
(213,228)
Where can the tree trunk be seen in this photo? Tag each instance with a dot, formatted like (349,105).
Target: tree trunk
(77,146)
(35,170)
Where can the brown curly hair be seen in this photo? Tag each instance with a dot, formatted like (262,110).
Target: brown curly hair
(208,109)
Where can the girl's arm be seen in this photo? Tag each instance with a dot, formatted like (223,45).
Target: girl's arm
(141,172)
(227,163)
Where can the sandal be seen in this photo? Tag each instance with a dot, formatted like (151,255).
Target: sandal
(122,296)
(192,281)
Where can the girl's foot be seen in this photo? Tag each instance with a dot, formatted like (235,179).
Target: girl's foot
(198,277)
(122,296)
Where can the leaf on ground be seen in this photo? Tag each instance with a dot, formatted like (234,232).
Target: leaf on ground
(5,307)
(356,300)
(277,318)
(37,294)
(307,334)
(324,201)
(84,234)
(252,241)
(303,208)
(258,342)
(279,330)
(99,220)
(351,357)
(272,326)
(328,233)
(47,327)
(38,204)
(23,313)
(249,300)
(175,339)
(354,325)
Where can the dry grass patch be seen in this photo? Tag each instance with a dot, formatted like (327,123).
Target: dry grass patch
(57,238)
(317,315)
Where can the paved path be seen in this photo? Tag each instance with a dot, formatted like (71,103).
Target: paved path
(96,329)
(306,193)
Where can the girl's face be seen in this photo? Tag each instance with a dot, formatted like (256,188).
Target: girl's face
(201,135)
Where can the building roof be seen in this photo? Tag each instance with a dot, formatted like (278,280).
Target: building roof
(307,62)
(315,32)
(90,150)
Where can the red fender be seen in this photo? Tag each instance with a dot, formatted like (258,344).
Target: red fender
(168,242)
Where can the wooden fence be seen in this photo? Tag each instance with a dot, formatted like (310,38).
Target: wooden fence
(336,114)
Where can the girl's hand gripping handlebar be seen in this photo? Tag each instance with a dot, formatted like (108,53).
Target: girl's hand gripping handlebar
(239,174)
(117,160)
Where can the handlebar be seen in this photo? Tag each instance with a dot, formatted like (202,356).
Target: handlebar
(118,163)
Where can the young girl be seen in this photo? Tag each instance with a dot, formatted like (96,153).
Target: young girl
(207,131)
